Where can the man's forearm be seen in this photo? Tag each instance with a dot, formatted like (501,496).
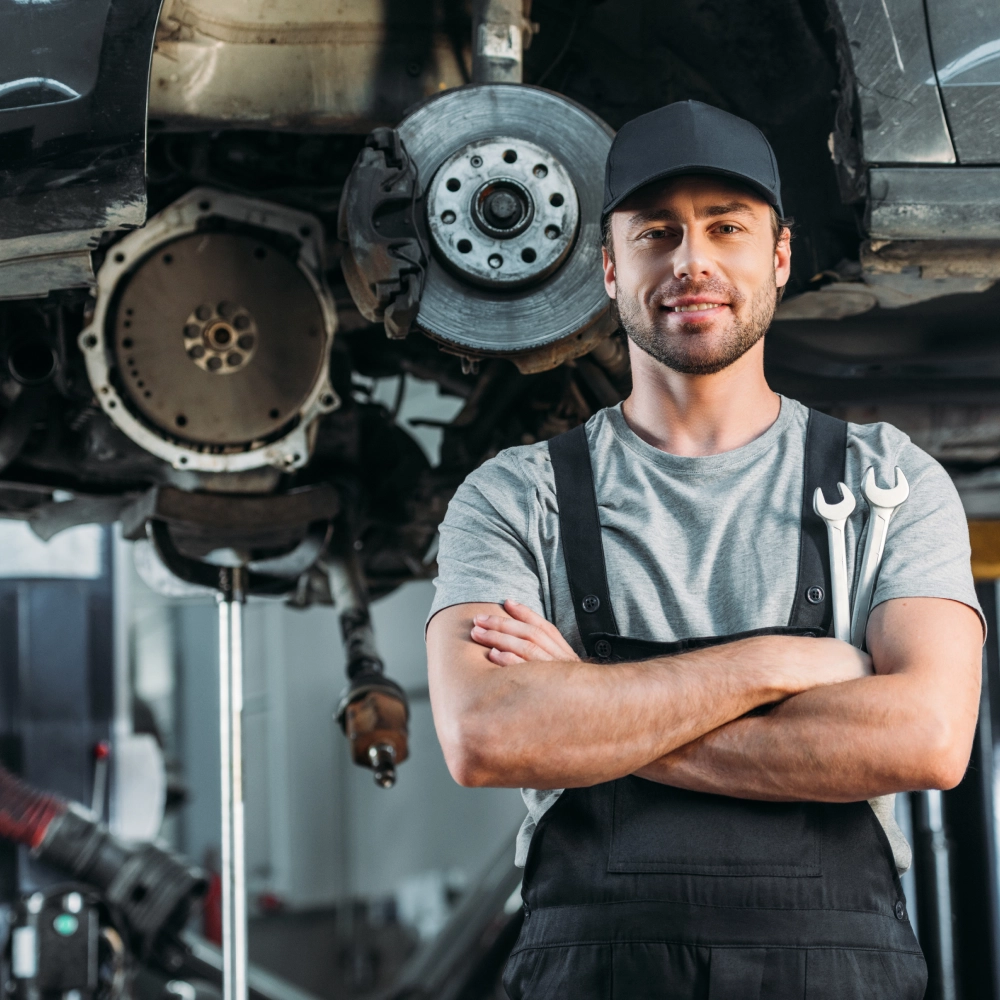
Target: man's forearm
(833,744)
(909,728)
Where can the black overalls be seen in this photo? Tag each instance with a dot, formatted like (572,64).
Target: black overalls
(634,890)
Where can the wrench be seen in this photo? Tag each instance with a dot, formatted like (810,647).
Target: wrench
(882,505)
(836,515)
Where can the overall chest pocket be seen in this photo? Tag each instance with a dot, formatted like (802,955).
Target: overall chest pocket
(659,829)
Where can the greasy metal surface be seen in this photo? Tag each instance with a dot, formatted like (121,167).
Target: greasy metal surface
(902,120)
(349,66)
(934,203)
(73,90)
(572,299)
(32,265)
(137,363)
(218,514)
(502,212)
(500,34)
(965,36)
(156,360)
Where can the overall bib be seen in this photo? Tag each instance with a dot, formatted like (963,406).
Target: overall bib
(634,890)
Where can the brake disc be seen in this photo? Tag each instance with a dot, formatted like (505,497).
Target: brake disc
(211,334)
(510,181)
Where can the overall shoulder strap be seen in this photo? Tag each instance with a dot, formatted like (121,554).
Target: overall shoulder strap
(825,461)
(580,531)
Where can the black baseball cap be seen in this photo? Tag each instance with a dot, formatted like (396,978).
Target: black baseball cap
(689,138)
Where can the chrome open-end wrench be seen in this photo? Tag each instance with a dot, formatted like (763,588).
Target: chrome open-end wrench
(836,515)
(882,505)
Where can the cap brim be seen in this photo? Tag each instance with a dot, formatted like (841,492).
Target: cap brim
(694,169)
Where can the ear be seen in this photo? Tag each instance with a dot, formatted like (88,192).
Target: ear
(610,281)
(783,258)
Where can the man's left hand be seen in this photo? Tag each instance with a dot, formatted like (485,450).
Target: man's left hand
(524,636)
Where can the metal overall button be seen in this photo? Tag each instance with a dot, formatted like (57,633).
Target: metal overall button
(899,910)
(603,648)
(814,595)
(591,603)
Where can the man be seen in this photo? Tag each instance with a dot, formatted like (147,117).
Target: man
(629,624)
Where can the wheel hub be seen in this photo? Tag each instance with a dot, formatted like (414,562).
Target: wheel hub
(503,212)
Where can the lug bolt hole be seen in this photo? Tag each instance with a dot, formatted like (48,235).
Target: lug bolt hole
(556,199)
(495,260)
(464,246)
(453,184)
(528,255)
(510,156)
(448,217)
(552,232)
(540,170)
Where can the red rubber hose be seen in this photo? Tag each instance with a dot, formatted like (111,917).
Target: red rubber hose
(25,814)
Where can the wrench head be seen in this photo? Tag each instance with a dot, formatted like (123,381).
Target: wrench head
(834,511)
(890,498)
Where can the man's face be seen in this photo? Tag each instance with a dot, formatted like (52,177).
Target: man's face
(695,271)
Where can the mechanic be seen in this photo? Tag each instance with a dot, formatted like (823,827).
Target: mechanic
(711,815)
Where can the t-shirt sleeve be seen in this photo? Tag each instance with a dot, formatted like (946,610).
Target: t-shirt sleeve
(484,553)
(927,550)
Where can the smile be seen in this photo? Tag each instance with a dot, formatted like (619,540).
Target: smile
(697,307)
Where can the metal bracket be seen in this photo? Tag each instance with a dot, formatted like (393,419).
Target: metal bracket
(386,260)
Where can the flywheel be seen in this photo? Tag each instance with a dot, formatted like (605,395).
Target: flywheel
(210,342)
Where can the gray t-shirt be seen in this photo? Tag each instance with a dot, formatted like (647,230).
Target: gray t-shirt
(694,546)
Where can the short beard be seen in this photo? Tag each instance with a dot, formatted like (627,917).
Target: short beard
(685,353)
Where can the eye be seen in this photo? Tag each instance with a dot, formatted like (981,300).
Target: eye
(728,228)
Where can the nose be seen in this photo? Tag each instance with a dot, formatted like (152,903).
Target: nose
(692,259)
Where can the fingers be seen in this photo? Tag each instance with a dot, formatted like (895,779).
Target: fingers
(503,659)
(558,644)
(506,643)
(521,630)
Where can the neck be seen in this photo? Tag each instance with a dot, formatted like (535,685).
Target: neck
(696,415)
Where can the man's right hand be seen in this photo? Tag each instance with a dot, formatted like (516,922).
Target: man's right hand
(809,663)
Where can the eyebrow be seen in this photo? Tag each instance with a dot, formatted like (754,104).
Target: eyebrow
(710,212)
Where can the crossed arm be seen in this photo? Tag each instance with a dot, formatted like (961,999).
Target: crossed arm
(514,706)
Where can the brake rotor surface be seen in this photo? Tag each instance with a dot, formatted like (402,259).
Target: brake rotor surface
(472,310)
(218,339)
